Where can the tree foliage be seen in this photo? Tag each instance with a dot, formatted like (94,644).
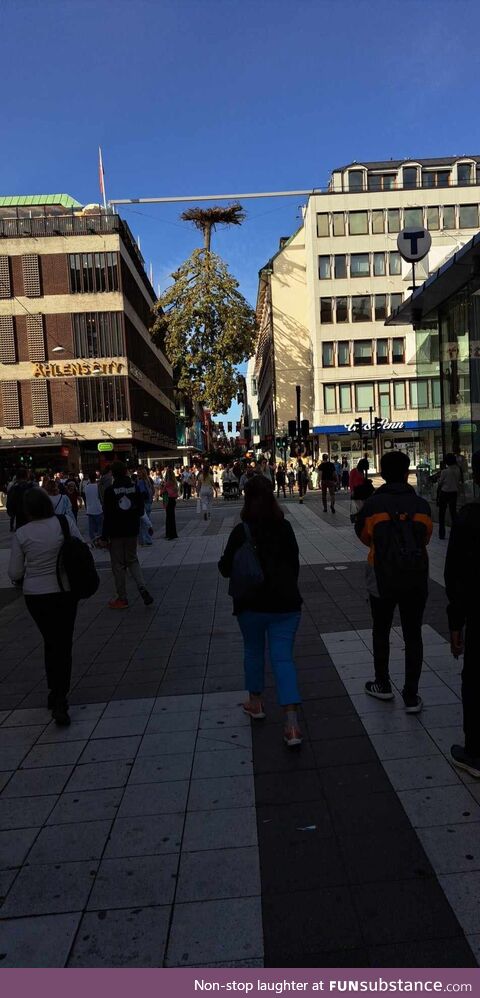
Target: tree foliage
(206,328)
(207,219)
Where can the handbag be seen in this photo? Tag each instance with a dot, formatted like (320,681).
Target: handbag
(75,558)
(247,573)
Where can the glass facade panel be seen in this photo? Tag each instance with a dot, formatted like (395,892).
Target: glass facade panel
(419,394)
(361,308)
(342,309)
(326,314)
(345,398)
(322,225)
(362,353)
(324,269)
(393,219)
(449,221)
(340,265)
(343,353)
(379,268)
(378,222)
(330,404)
(358,223)
(364,398)
(338,223)
(399,395)
(382,351)
(410,176)
(360,265)
(468,216)
(328,356)
(413,218)
(433,218)
(464,173)
(355,180)
(384,399)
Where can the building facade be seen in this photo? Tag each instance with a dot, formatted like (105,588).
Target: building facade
(78,368)
(340,288)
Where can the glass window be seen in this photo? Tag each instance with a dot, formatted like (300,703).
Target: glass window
(359,265)
(394,264)
(338,223)
(358,223)
(364,399)
(433,218)
(398,350)
(419,394)
(322,224)
(399,395)
(443,178)
(340,265)
(379,269)
(436,394)
(381,181)
(449,217)
(395,301)
(345,392)
(342,309)
(382,351)
(413,218)
(380,302)
(328,356)
(384,399)
(355,180)
(343,348)
(436,178)
(100,276)
(362,353)
(326,310)
(410,176)
(374,182)
(468,216)
(388,181)
(393,219)
(361,308)
(464,173)
(378,221)
(324,269)
(330,403)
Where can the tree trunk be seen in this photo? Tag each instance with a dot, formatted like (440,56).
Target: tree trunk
(207,233)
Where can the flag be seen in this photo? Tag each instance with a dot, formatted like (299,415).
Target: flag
(101,177)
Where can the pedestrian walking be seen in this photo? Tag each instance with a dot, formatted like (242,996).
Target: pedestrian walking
(280,478)
(106,479)
(447,493)
(328,480)
(146,488)
(122,510)
(261,560)
(187,483)
(290,480)
(461,582)
(169,496)
(33,563)
(396,524)
(16,499)
(345,479)
(73,495)
(206,491)
(93,507)
(302,479)
(60,501)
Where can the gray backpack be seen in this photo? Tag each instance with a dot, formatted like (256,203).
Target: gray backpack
(247,573)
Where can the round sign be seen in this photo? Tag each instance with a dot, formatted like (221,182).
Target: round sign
(413,244)
(105,446)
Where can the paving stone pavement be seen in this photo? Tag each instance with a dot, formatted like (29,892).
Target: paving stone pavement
(162,829)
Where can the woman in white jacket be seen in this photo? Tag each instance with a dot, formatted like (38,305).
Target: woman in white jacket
(206,493)
(33,562)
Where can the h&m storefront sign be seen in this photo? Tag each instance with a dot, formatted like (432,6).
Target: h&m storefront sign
(76,369)
(384,425)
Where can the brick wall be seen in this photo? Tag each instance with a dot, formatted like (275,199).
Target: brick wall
(63,400)
(53,274)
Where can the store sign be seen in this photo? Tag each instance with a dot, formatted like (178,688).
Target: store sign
(106,446)
(385,424)
(76,369)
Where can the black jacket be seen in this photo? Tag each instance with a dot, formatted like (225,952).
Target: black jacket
(462,566)
(15,497)
(372,523)
(123,506)
(277,551)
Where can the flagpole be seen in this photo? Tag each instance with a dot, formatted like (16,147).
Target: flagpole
(101,177)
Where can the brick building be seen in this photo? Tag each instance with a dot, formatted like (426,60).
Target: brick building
(78,368)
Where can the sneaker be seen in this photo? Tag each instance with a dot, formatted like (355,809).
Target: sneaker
(118,604)
(60,713)
(255,709)
(332,507)
(462,760)
(292,735)
(382,691)
(146,596)
(413,705)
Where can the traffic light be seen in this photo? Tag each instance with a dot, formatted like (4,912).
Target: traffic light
(229,427)
(292,428)
(377,426)
(305,429)
(239,427)
(359,426)
(221,427)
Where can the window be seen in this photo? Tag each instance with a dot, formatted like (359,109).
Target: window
(323,228)
(433,218)
(342,309)
(10,404)
(413,218)
(5,285)
(359,265)
(355,180)
(343,348)
(98,334)
(8,352)
(393,219)
(338,223)
(395,301)
(324,268)
(102,399)
(379,268)
(449,217)
(31,275)
(362,353)
(468,216)
(380,302)
(364,398)
(381,181)
(419,394)
(464,173)
(378,222)
(40,403)
(436,393)
(361,308)
(398,350)
(345,393)
(436,178)
(358,223)
(91,272)
(394,264)
(382,351)
(254,386)
(384,399)
(328,355)
(410,176)
(326,310)
(329,400)
(399,395)
(340,263)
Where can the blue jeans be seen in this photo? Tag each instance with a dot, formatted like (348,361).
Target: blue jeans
(281,629)
(95,524)
(144,537)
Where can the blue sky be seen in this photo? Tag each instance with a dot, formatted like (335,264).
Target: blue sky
(213,96)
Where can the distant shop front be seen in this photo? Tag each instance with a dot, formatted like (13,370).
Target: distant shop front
(420,439)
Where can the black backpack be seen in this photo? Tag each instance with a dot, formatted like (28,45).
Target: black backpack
(76,560)
(401,561)
(246,576)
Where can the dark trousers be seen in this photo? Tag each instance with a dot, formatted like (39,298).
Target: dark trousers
(411,615)
(446,500)
(54,615)
(187,490)
(170,524)
(280,486)
(471,689)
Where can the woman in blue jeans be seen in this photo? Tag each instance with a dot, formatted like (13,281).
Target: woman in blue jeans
(271,608)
